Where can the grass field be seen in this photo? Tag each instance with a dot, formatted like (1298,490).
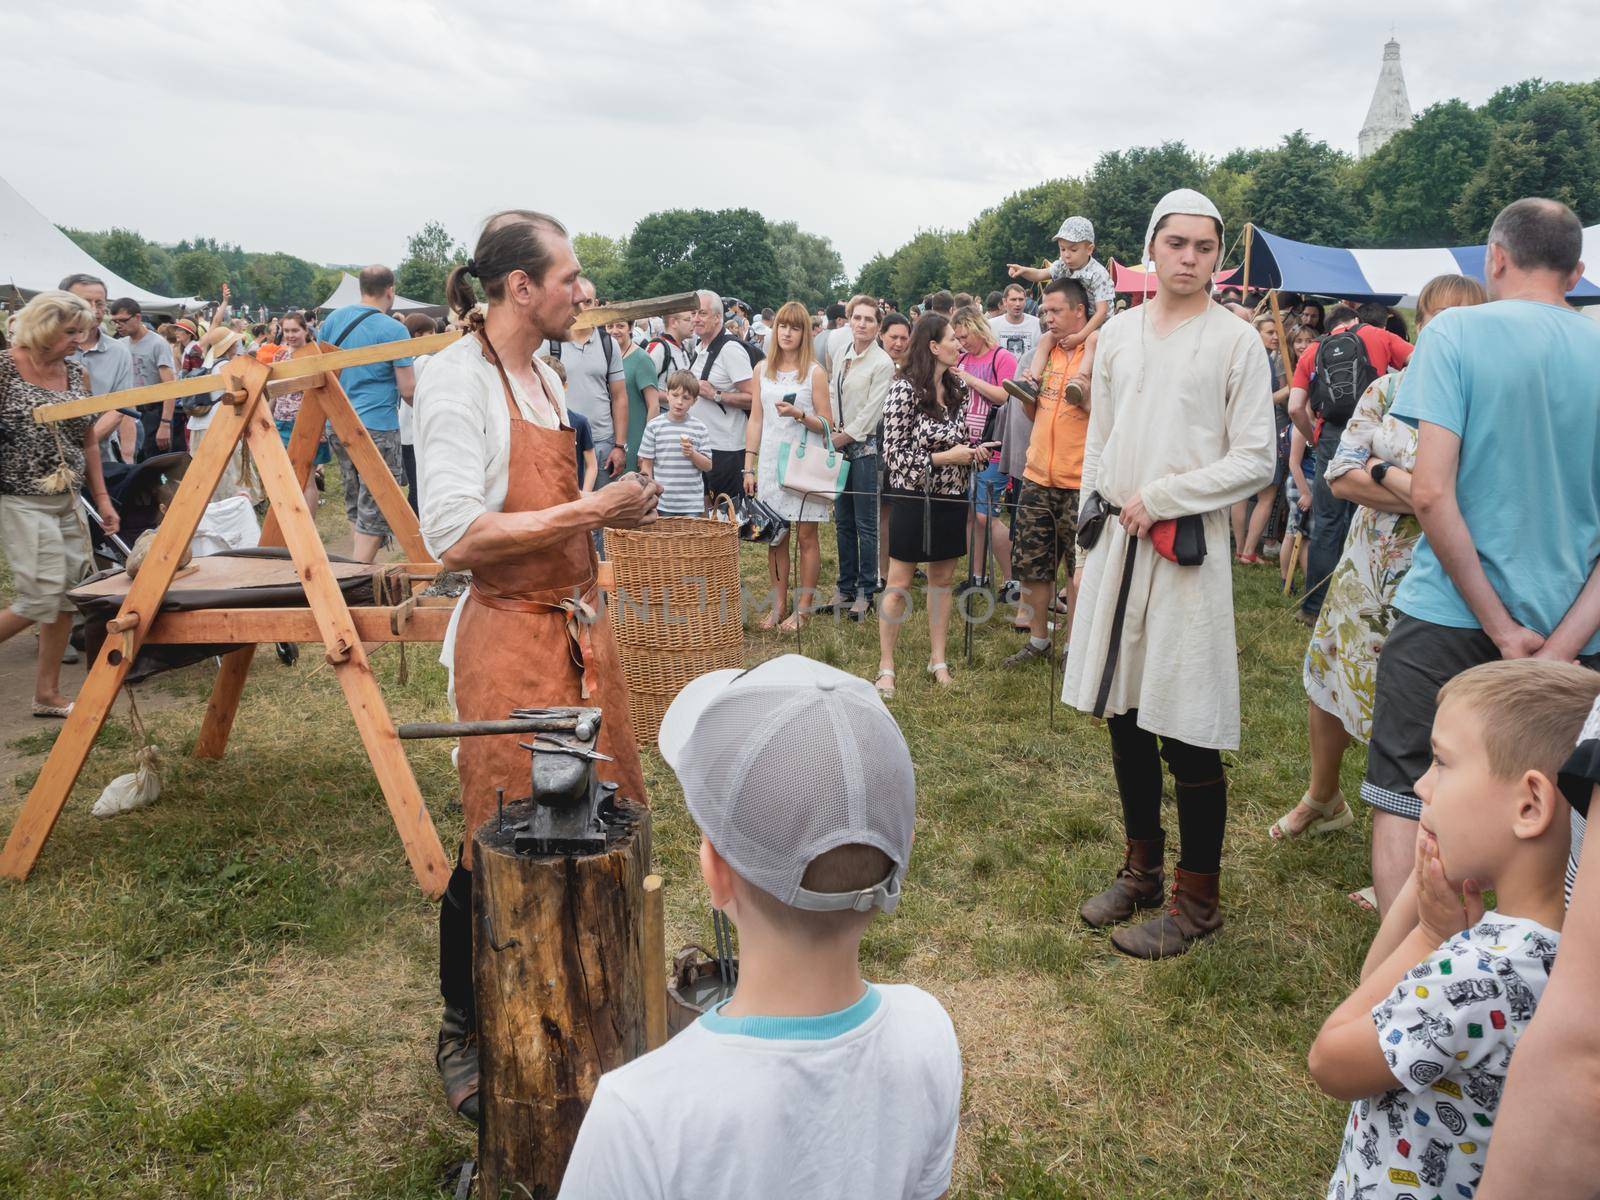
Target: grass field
(233,993)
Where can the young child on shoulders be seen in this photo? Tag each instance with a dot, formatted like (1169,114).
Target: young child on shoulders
(1422,1046)
(808,1081)
(673,450)
(1075,243)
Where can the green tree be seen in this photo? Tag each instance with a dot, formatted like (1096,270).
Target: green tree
(659,259)
(876,278)
(809,268)
(199,273)
(123,252)
(323,283)
(1410,185)
(1549,147)
(728,251)
(1122,189)
(921,266)
(602,258)
(1022,227)
(1301,190)
(279,281)
(1229,186)
(431,254)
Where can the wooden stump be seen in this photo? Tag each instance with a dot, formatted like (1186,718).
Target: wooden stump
(560,982)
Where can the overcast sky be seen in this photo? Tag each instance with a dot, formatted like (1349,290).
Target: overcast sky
(335,129)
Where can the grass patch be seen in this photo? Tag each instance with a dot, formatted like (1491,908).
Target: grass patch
(233,992)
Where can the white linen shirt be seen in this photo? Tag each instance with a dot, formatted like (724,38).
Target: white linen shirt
(463,446)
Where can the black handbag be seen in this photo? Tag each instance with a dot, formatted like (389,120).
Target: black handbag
(759,523)
(1092,519)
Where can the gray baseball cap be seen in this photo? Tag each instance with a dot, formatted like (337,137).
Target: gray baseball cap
(1076,229)
(786,761)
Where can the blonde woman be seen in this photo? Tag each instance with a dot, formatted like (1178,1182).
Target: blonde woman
(42,466)
(984,367)
(794,400)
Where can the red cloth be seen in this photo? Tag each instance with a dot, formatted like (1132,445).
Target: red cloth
(1384,349)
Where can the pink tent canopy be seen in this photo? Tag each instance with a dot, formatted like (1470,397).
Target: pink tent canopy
(1131,279)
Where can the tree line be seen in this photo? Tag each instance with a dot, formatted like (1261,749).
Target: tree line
(1438,183)
(200,266)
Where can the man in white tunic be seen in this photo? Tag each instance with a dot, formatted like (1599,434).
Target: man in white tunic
(1181,427)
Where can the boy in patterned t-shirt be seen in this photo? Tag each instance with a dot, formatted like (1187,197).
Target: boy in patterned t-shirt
(1423,1045)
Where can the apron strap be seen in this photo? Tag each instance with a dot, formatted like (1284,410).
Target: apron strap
(505,381)
(1114,648)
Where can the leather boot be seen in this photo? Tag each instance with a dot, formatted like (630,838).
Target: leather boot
(457,1053)
(1139,884)
(1192,915)
(457,1060)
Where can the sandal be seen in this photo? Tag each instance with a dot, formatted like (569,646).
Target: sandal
(1366,898)
(935,668)
(61,711)
(1329,817)
(886,692)
(794,621)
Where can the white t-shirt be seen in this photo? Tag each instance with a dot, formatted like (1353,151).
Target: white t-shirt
(862,1102)
(1447,1032)
(1019,338)
(724,422)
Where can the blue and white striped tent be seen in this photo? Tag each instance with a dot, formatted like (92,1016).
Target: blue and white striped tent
(1390,276)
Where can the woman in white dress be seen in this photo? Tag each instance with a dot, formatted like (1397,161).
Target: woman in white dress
(794,405)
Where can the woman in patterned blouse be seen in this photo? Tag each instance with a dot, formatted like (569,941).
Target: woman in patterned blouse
(42,466)
(929,463)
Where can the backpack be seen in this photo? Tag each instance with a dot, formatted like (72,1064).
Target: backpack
(553,349)
(668,363)
(1342,373)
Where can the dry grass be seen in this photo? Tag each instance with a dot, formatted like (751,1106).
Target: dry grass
(232,993)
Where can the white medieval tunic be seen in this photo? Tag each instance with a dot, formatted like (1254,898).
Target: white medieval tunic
(1197,438)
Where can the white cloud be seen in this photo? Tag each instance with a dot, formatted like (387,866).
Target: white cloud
(335,129)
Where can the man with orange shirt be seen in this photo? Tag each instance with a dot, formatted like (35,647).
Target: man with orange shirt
(1047,507)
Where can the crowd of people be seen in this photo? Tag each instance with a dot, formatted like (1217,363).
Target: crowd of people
(1098,463)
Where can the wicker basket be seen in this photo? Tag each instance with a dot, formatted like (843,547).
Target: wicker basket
(675,609)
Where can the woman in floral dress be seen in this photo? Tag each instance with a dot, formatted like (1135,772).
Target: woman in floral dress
(1373,468)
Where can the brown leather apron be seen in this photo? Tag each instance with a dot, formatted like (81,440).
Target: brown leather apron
(533,634)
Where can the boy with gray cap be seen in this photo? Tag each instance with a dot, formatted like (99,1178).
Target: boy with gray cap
(1075,242)
(807,1081)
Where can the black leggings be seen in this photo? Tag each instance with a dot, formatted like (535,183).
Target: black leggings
(1198,780)
(455,945)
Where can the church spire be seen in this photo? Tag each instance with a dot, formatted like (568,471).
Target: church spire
(1390,111)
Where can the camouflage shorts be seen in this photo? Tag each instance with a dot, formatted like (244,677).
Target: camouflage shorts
(1044,532)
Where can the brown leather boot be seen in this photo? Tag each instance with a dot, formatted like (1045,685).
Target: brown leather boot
(1191,916)
(1139,884)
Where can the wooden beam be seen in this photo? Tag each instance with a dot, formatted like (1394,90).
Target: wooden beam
(303,442)
(633,310)
(253,626)
(302,366)
(89,710)
(223,705)
(345,653)
(369,464)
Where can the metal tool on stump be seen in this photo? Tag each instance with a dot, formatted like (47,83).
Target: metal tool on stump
(561,968)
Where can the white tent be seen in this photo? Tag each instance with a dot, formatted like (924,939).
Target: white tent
(35,256)
(349,292)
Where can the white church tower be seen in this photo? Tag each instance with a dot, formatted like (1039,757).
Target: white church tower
(1390,111)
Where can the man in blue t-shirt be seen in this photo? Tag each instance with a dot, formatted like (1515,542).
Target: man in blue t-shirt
(1506,400)
(376,392)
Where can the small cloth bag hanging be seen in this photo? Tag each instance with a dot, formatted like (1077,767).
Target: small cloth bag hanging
(814,469)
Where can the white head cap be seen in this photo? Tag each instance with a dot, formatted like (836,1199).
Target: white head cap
(1180,202)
